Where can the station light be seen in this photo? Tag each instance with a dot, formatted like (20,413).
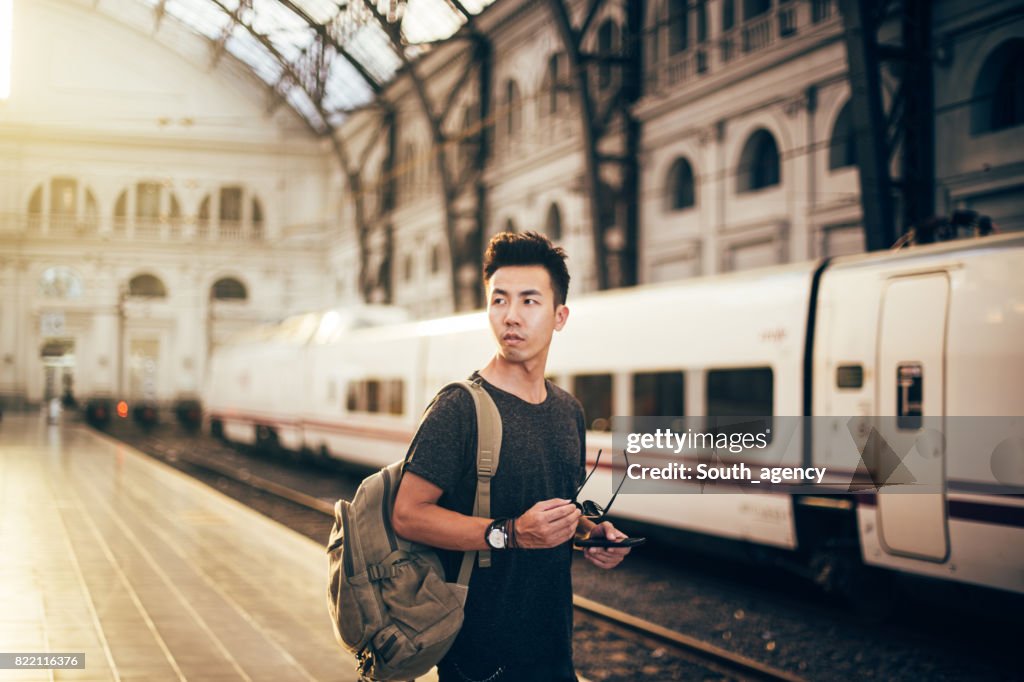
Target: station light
(6,46)
(122,409)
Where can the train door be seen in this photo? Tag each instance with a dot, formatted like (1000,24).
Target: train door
(911,385)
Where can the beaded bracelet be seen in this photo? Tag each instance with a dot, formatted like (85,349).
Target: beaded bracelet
(510,531)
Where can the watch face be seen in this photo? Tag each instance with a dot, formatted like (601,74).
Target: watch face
(496,538)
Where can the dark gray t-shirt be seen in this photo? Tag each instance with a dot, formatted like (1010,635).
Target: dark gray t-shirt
(519,610)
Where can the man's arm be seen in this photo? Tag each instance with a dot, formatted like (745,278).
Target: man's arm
(418,517)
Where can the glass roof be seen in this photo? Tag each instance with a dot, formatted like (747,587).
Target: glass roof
(323,57)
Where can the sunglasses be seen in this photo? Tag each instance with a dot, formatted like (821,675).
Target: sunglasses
(590,509)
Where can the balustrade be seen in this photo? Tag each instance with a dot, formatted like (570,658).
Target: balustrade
(150,229)
(786,19)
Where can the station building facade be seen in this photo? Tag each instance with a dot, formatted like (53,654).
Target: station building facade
(156,196)
(746,156)
(149,206)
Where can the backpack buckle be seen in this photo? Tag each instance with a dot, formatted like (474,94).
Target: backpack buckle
(485,465)
(378,572)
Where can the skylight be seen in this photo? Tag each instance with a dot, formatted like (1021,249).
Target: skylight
(324,57)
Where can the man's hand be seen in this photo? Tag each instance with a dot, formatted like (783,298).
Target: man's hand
(606,557)
(549,523)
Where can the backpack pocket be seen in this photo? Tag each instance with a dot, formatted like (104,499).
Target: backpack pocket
(351,599)
(420,601)
(388,656)
(391,655)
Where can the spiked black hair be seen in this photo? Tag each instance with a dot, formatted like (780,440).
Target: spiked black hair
(529,248)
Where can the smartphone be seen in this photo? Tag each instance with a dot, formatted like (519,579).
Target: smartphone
(605,542)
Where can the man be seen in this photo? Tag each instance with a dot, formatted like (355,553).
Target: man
(518,623)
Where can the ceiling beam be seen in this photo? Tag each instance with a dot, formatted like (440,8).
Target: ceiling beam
(326,36)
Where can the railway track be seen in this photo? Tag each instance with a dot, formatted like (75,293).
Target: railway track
(733,665)
(652,636)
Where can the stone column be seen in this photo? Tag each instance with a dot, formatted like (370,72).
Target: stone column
(719,195)
(798,173)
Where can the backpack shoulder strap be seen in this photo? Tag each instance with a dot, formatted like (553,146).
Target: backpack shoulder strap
(488,453)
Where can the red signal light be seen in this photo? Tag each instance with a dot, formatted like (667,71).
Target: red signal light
(122,409)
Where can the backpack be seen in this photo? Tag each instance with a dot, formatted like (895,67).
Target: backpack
(387,596)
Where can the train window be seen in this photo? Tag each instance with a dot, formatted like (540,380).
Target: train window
(909,395)
(395,391)
(352,396)
(658,394)
(376,395)
(373,396)
(743,392)
(850,376)
(594,391)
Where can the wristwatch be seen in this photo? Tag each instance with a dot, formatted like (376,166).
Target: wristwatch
(496,535)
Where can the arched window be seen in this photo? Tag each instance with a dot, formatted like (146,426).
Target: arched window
(60,282)
(435,259)
(229,289)
(155,207)
(63,205)
(842,151)
(755,8)
(607,45)
(759,163)
(553,223)
(63,197)
(554,84)
(678,26)
(147,200)
(146,286)
(998,98)
(728,14)
(680,185)
(513,109)
(230,204)
(69,207)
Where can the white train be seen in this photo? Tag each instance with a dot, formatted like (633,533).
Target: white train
(834,338)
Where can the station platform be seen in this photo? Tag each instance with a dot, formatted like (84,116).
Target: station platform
(151,574)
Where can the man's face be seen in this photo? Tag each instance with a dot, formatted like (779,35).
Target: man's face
(522,311)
